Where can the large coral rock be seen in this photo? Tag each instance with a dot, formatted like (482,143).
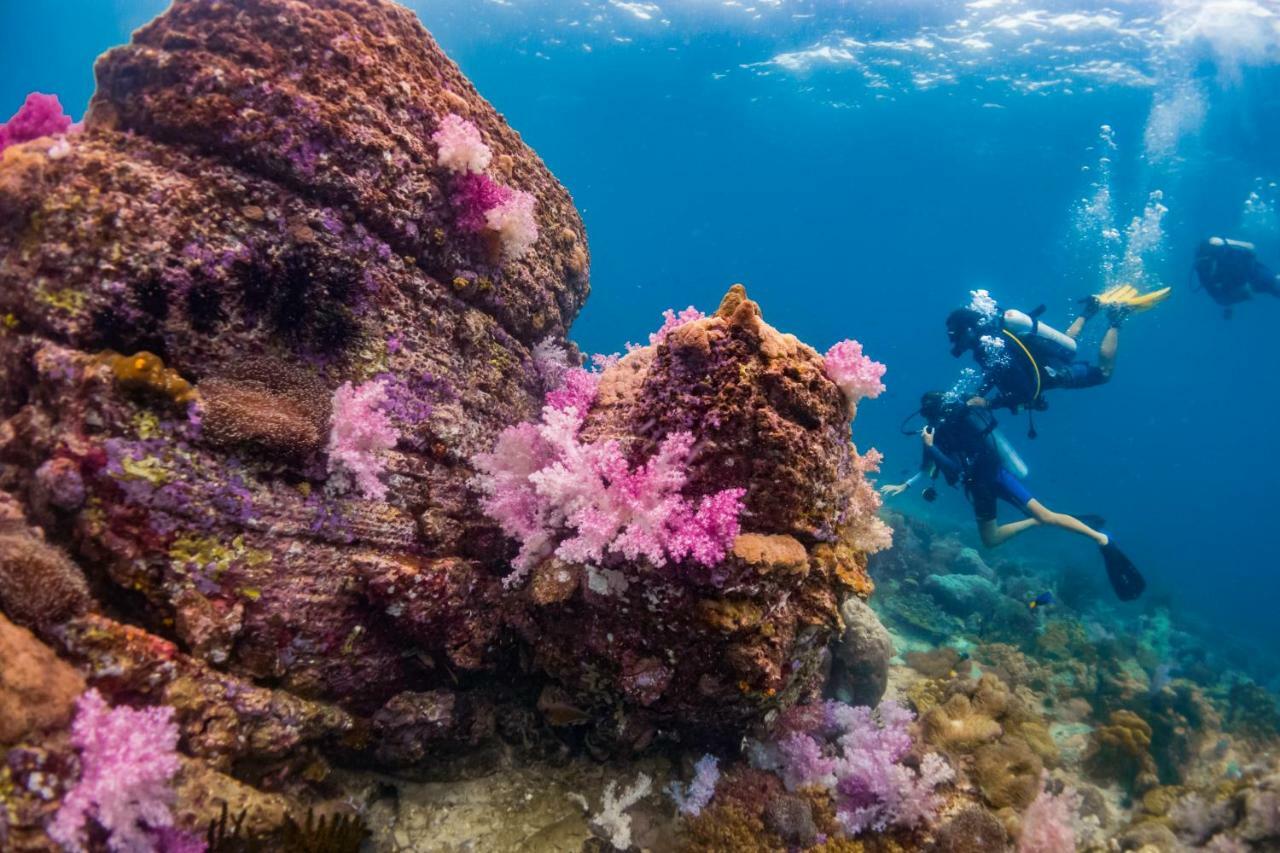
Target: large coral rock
(254,216)
(255,209)
(713,648)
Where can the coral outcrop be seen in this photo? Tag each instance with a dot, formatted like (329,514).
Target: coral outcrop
(713,647)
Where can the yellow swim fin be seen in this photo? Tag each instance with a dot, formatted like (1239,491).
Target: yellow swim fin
(1119,294)
(1147,301)
(1127,295)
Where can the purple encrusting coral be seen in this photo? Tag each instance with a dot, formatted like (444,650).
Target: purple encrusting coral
(128,758)
(856,754)
(40,115)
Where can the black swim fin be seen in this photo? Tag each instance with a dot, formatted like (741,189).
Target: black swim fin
(1125,578)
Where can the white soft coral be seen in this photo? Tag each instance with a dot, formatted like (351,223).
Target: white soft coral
(460,148)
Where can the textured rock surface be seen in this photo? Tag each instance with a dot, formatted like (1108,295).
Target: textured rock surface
(861,671)
(254,216)
(270,222)
(37,690)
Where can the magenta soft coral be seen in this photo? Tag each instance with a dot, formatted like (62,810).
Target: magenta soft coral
(556,494)
(128,758)
(474,195)
(40,115)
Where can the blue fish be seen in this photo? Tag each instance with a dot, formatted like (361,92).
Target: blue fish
(1044,599)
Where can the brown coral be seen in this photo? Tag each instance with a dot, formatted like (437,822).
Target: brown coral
(1008,773)
(267,405)
(940,662)
(958,726)
(974,830)
(1120,751)
(39,586)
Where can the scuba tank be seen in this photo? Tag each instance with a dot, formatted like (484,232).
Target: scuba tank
(1029,326)
(985,425)
(1008,456)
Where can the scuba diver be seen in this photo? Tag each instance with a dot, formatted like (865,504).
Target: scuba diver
(965,445)
(1020,357)
(1230,272)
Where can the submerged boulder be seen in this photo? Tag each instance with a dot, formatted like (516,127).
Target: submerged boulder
(241,229)
(715,647)
(256,322)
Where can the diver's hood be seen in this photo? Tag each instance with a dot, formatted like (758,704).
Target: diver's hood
(964,327)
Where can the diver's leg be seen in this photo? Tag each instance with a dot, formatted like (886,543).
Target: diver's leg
(1107,351)
(994,535)
(1264,280)
(1090,306)
(1044,515)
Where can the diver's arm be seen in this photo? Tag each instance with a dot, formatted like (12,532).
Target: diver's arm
(1008,401)
(948,466)
(926,470)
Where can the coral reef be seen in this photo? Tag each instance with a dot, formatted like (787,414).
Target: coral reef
(308,497)
(662,636)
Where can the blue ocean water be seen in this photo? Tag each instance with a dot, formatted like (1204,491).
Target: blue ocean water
(862,166)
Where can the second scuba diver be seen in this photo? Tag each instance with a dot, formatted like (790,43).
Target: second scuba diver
(962,443)
(1230,272)
(1020,358)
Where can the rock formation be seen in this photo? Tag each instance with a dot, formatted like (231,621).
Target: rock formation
(252,231)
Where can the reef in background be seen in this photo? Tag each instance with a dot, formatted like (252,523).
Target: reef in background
(315,530)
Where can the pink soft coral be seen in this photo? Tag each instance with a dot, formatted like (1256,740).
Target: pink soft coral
(127,760)
(672,320)
(459,146)
(40,115)
(556,494)
(1049,823)
(360,433)
(856,374)
(481,204)
(868,532)
(513,221)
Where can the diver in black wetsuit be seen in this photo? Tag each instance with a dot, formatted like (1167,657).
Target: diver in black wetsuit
(1020,358)
(960,443)
(1017,370)
(1231,273)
